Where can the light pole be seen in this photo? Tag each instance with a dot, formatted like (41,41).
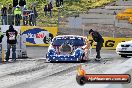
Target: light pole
(114,29)
(114,24)
(83,29)
(59,17)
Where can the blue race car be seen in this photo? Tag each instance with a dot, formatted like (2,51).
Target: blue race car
(68,48)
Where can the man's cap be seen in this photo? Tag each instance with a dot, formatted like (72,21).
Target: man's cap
(91,30)
(24,6)
(11,27)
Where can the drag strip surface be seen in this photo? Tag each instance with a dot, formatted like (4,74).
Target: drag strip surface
(66,78)
(36,73)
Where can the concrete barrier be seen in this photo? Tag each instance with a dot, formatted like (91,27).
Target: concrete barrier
(123,25)
(117,7)
(98,16)
(122,21)
(98,21)
(123,68)
(104,19)
(103,11)
(124,3)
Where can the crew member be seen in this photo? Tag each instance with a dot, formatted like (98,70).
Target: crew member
(25,15)
(17,14)
(4,15)
(1,36)
(99,40)
(11,43)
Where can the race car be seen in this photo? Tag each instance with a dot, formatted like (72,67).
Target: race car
(68,48)
(124,49)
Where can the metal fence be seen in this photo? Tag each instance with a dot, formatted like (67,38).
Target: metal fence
(72,22)
(41,20)
(10,19)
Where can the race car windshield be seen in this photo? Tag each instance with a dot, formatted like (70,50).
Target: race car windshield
(75,41)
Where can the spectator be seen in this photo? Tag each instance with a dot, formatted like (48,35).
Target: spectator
(34,14)
(61,2)
(114,13)
(32,19)
(25,15)
(50,7)
(4,15)
(57,3)
(17,14)
(1,36)
(10,15)
(22,3)
(45,10)
(52,1)
(99,40)
(25,7)
(10,11)
(15,3)
(11,34)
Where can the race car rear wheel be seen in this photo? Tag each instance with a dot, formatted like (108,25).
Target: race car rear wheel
(125,56)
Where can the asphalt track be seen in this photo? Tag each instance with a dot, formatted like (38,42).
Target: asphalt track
(34,72)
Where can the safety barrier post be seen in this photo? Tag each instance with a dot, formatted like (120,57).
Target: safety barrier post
(0,53)
(3,55)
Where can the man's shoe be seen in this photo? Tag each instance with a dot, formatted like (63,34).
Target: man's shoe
(97,59)
(6,61)
(13,60)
